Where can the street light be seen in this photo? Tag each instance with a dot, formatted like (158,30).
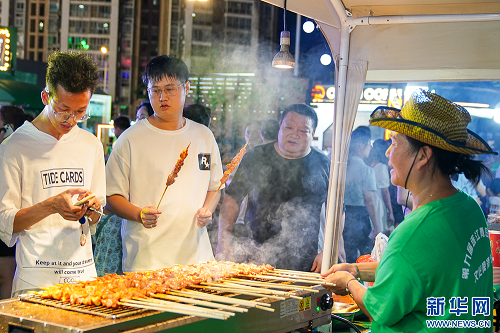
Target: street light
(104,50)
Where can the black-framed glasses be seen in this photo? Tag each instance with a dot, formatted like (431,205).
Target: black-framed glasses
(78,116)
(170,91)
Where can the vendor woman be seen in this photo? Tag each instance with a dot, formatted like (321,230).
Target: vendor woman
(438,262)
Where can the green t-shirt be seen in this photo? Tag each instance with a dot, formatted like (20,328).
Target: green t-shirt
(439,255)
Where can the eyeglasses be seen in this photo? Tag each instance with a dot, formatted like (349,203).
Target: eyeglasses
(169,91)
(78,116)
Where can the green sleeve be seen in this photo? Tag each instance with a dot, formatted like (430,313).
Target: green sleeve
(396,292)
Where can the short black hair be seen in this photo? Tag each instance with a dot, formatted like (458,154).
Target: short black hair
(148,107)
(377,153)
(495,186)
(14,115)
(199,113)
(269,129)
(302,109)
(74,72)
(165,66)
(359,137)
(122,122)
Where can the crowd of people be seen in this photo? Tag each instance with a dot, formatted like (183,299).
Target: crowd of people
(278,194)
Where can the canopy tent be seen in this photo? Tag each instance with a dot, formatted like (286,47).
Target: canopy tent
(396,41)
(21,94)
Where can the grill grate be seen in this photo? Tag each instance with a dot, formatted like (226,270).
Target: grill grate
(102,311)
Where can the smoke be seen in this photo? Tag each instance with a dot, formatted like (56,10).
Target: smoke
(294,245)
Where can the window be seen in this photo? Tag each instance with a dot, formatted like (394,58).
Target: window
(20,5)
(32,42)
(54,7)
(79,10)
(40,56)
(239,23)
(202,35)
(202,19)
(41,10)
(19,22)
(40,42)
(200,50)
(33,9)
(239,8)
(238,38)
(32,55)
(99,27)
(41,25)
(101,11)
(32,26)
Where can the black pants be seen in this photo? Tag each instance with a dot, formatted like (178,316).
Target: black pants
(356,230)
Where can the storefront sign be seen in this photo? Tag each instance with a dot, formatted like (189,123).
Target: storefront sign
(371,95)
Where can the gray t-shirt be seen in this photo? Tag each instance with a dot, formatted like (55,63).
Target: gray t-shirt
(359,177)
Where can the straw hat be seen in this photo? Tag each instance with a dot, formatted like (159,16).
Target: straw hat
(434,120)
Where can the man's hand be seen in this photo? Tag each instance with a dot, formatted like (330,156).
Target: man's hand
(341,267)
(203,217)
(63,204)
(94,203)
(149,216)
(316,267)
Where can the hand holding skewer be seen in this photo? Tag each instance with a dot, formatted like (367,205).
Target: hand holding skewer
(203,217)
(149,217)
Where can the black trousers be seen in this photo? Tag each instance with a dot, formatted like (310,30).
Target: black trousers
(356,230)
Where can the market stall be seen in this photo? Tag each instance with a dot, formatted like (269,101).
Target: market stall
(399,41)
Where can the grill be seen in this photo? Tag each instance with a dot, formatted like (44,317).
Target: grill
(120,312)
(244,305)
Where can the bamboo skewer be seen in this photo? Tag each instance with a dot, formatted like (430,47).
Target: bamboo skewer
(203,303)
(273,285)
(307,276)
(255,289)
(303,277)
(159,307)
(277,278)
(223,182)
(287,271)
(181,306)
(217,298)
(243,292)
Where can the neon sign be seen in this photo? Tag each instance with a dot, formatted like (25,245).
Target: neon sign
(370,95)
(5,51)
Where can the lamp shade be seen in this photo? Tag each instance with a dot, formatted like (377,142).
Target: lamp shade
(284,59)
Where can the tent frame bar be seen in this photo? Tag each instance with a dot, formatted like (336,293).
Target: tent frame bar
(347,25)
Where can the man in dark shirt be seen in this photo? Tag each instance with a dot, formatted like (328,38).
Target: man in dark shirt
(286,183)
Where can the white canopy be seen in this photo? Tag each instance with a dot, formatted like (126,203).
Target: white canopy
(396,41)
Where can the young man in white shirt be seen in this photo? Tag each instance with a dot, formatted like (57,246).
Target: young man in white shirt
(137,172)
(48,165)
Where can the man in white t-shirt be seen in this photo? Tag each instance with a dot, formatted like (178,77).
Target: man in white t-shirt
(137,172)
(46,166)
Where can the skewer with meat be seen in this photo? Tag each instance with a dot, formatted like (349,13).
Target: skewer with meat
(111,289)
(171,177)
(232,166)
(230,169)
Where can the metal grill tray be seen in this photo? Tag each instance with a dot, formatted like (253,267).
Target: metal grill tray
(102,311)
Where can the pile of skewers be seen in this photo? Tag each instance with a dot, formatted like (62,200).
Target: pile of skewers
(179,289)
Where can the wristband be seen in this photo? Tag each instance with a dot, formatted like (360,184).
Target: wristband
(358,275)
(347,286)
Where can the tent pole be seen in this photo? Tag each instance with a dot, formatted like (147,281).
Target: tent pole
(334,211)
